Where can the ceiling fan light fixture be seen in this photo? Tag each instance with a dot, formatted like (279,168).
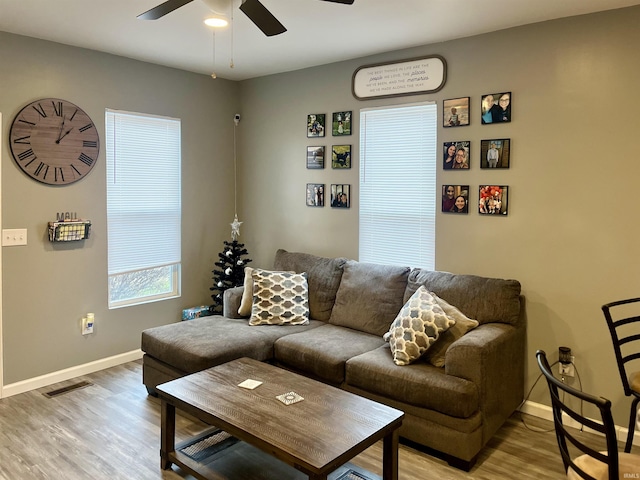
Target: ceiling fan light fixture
(217,21)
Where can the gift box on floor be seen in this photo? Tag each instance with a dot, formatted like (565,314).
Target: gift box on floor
(196,312)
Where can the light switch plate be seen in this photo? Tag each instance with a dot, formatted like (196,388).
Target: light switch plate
(14,236)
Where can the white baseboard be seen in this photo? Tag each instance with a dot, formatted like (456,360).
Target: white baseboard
(537,410)
(543,411)
(69,373)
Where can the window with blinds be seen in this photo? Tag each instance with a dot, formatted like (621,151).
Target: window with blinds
(143,207)
(398,185)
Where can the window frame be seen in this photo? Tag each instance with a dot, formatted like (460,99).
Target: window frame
(408,200)
(125,156)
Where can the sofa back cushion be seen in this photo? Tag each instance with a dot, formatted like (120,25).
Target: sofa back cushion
(370,296)
(323,276)
(483,299)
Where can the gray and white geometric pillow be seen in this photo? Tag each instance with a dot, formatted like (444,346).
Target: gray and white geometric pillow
(417,327)
(279,298)
(437,352)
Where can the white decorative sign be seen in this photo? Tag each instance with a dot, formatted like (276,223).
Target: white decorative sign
(407,77)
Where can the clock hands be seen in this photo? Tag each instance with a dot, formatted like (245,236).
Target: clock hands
(65,134)
(61,127)
(60,134)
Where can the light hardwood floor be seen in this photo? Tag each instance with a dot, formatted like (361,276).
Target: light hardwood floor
(111,430)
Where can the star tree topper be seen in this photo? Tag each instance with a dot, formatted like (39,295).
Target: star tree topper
(235,228)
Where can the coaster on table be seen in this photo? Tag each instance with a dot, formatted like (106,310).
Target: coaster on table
(250,384)
(289,398)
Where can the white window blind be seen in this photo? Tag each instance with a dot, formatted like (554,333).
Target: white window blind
(398,185)
(143,193)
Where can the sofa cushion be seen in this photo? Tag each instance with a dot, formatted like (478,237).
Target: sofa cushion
(419,384)
(279,298)
(208,341)
(436,353)
(418,325)
(231,299)
(370,296)
(323,276)
(483,299)
(322,353)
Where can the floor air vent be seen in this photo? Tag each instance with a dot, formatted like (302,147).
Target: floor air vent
(67,389)
(206,445)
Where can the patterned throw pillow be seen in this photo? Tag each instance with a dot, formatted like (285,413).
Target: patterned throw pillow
(246,302)
(279,298)
(436,354)
(418,325)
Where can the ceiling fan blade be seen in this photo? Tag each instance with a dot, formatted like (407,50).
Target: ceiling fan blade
(162,9)
(346,2)
(262,17)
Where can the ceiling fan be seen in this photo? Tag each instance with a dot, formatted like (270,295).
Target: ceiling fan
(253,9)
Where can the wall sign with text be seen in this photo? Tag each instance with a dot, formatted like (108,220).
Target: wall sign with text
(408,77)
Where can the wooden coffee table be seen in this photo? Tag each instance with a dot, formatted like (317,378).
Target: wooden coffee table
(315,436)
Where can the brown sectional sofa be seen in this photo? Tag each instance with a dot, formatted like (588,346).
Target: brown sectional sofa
(453,409)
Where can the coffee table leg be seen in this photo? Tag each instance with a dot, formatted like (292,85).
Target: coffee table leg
(390,456)
(167,433)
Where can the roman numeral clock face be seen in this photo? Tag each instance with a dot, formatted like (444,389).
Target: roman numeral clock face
(54,141)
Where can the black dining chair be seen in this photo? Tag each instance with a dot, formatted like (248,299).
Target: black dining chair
(590,464)
(625,334)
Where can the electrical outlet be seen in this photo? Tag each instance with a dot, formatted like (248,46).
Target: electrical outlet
(87,324)
(567,369)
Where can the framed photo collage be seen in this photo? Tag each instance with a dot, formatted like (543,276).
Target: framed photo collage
(338,154)
(494,153)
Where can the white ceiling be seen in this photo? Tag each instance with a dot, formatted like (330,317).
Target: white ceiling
(318,32)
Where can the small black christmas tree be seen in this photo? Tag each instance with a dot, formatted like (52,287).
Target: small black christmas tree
(230,269)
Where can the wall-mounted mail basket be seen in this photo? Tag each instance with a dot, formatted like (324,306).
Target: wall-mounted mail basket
(69,231)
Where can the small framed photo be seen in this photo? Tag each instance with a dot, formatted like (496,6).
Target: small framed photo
(495,153)
(455,112)
(455,198)
(341,156)
(496,108)
(315,194)
(340,195)
(493,200)
(315,157)
(456,155)
(341,124)
(315,125)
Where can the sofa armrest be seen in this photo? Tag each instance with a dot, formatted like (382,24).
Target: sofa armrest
(231,302)
(492,357)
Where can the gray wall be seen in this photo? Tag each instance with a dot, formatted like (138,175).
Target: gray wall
(47,287)
(570,237)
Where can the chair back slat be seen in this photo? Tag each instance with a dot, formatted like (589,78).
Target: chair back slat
(632,356)
(629,339)
(624,321)
(622,302)
(564,435)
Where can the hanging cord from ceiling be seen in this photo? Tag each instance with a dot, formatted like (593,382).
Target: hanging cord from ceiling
(235,226)
(213,49)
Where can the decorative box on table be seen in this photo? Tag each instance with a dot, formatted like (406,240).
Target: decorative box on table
(196,312)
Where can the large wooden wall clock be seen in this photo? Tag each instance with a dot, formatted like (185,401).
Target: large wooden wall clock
(54,141)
